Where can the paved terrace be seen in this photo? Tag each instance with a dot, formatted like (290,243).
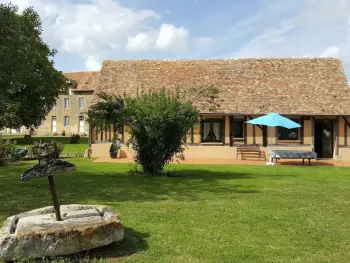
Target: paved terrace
(237,162)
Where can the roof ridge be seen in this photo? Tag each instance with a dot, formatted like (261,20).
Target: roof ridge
(223,59)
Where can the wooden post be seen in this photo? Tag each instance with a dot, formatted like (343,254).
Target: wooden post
(254,140)
(230,128)
(245,129)
(233,132)
(345,134)
(313,132)
(54,198)
(192,135)
(336,147)
(201,129)
(264,136)
(222,131)
(302,130)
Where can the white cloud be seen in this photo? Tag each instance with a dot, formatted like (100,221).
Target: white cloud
(309,28)
(171,38)
(141,42)
(92,63)
(100,29)
(331,52)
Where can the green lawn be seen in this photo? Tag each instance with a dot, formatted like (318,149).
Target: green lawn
(68,148)
(206,213)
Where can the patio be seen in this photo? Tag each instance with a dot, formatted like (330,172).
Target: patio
(237,162)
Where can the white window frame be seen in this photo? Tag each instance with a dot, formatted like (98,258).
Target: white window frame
(83,100)
(65,118)
(65,105)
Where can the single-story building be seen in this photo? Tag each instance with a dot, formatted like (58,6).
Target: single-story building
(312,91)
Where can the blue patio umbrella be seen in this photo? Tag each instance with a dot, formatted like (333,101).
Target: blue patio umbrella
(273,120)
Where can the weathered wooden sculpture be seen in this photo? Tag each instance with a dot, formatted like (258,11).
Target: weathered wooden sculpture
(49,165)
(45,232)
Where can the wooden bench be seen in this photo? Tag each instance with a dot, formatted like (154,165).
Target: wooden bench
(252,152)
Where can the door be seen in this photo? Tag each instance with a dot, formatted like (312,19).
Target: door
(324,138)
(81,124)
(53,124)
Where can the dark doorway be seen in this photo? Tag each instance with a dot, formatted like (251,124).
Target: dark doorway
(324,138)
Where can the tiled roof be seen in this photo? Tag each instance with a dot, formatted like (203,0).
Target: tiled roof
(85,80)
(308,86)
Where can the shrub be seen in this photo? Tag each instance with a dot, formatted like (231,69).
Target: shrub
(46,151)
(158,122)
(63,133)
(55,134)
(6,148)
(74,139)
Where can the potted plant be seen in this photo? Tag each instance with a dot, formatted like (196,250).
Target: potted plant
(113,150)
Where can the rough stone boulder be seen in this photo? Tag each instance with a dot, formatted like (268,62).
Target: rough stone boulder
(36,233)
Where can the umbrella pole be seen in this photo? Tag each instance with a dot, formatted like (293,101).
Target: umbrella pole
(268,149)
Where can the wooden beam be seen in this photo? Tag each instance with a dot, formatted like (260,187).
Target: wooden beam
(233,135)
(230,128)
(254,141)
(222,131)
(264,136)
(302,130)
(336,137)
(201,129)
(345,134)
(261,128)
(313,132)
(346,121)
(192,135)
(245,129)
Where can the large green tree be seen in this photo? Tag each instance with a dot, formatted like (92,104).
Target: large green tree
(29,83)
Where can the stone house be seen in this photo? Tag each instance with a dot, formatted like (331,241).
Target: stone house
(311,91)
(69,113)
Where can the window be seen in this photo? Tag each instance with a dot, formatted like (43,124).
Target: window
(288,134)
(66,121)
(42,123)
(81,103)
(55,106)
(212,130)
(66,103)
(237,129)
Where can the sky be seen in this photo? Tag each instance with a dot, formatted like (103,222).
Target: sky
(86,32)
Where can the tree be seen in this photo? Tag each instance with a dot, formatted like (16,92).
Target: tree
(29,83)
(107,111)
(158,122)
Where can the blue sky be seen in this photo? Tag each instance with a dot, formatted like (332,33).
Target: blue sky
(86,32)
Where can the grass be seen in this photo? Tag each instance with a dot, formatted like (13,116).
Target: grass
(68,148)
(205,213)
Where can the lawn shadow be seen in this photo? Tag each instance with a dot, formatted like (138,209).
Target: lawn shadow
(109,185)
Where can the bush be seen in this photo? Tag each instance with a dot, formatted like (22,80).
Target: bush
(63,133)
(6,148)
(46,151)
(55,134)
(158,122)
(74,139)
